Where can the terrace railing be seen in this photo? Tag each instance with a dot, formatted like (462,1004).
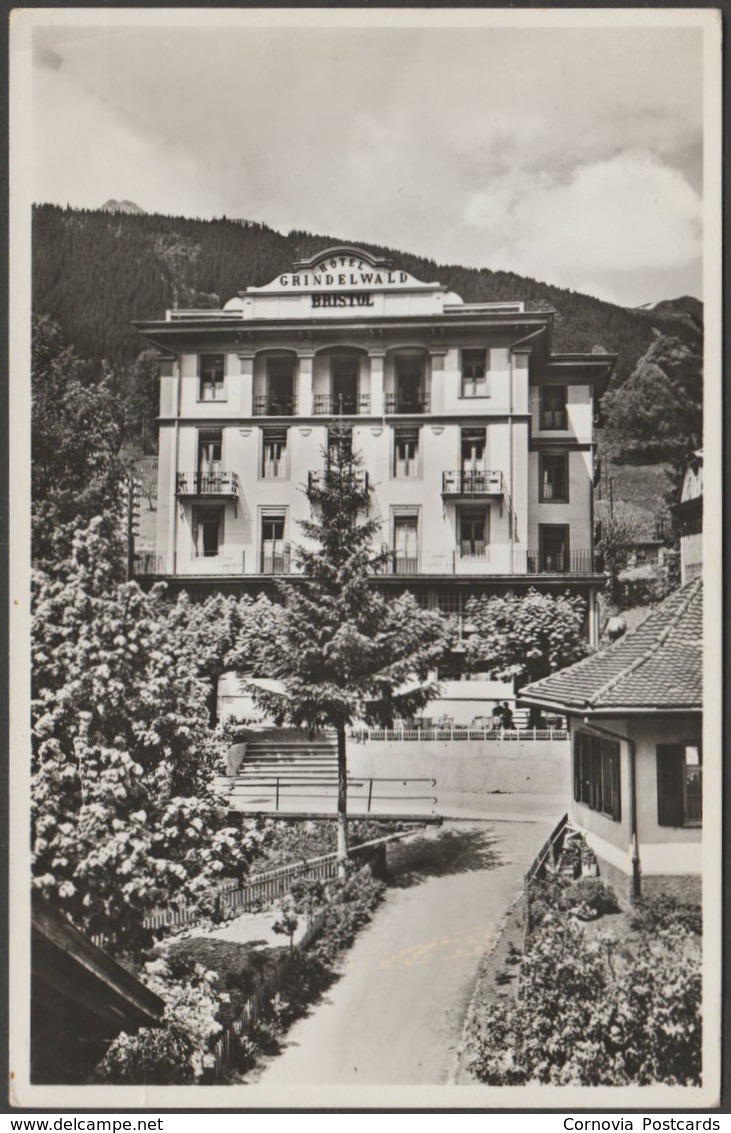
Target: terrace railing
(207,484)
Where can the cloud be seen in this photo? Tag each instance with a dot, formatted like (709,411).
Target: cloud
(630,212)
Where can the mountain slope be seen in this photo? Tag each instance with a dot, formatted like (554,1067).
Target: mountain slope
(94,272)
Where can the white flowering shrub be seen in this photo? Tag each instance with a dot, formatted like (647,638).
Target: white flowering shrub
(124,817)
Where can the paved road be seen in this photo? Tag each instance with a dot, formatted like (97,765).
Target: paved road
(395,1016)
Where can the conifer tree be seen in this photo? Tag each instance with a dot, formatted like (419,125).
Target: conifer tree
(342,650)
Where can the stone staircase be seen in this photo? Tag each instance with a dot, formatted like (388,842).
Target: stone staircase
(291,774)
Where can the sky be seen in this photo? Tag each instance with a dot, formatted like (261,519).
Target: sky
(571,155)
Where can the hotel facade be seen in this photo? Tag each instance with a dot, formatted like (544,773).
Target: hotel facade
(475,438)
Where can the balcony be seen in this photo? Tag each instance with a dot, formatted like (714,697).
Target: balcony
(472,484)
(399,403)
(208,484)
(330,405)
(317,480)
(276,560)
(266,406)
(496,560)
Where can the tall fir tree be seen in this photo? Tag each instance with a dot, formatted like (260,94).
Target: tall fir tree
(342,651)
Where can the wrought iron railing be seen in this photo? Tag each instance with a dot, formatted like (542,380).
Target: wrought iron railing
(461,483)
(398,403)
(318,478)
(325,404)
(560,562)
(208,484)
(276,562)
(266,406)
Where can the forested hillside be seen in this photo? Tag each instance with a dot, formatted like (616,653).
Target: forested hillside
(96,271)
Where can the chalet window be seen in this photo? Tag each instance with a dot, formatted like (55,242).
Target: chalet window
(274,454)
(553,407)
(596,774)
(679,784)
(207,532)
(211,377)
(474,373)
(554,477)
(406,454)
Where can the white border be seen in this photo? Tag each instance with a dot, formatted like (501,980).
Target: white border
(409,1098)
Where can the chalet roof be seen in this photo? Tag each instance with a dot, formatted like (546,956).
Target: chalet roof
(658,665)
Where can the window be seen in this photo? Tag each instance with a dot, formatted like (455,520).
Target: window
(553,549)
(554,477)
(274,454)
(406,454)
(410,383)
(553,407)
(596,774)
(474,373)
(207,532)
(211,377)
(472,451)
(344,371)
(406,543)
(339,444)
(274,550)
(210,445)
(280,386)
(472,532)
(679,784)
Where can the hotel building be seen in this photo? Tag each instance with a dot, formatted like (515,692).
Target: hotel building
(475,438)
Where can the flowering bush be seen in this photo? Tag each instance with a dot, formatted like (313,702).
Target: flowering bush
(178,1053)
(124,815)
(591,1012)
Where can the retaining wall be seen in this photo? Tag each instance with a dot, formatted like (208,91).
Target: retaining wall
(532,767)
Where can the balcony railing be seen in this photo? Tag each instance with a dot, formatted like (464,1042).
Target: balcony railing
(460,483)
(266,406)
(208,484)
(397,403)
(498,559)
(317,480)
(329,405)
(276,561)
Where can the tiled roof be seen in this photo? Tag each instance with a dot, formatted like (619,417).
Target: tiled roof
(659,664)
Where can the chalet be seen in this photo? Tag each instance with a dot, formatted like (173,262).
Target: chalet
(636,740)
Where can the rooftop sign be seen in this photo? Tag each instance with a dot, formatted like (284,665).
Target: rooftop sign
(343,269)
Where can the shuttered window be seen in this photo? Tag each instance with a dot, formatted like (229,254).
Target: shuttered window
(679,784)
(596,774)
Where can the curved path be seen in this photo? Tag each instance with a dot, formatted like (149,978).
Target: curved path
(395,1016)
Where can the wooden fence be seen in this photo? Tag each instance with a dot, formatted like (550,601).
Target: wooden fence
(227,1047)
(231,897)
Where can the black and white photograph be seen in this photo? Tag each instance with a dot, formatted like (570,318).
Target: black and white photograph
(365,558)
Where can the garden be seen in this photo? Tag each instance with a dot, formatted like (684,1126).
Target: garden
(229,1003)
(579,991)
